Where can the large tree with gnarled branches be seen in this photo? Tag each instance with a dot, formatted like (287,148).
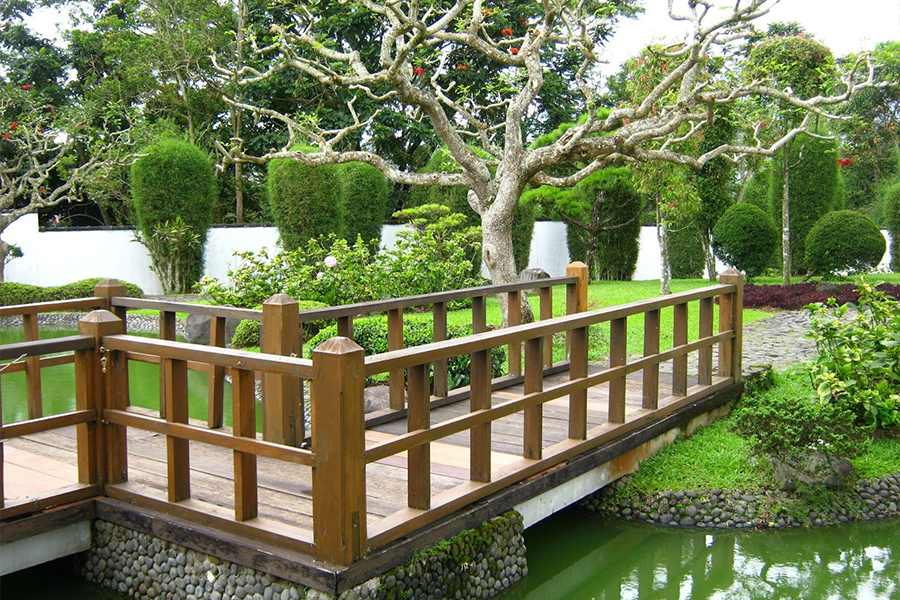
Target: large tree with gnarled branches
(416,58)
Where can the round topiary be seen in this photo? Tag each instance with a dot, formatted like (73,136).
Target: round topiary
(745,238)
(892,216)
(305,201)
(844,241)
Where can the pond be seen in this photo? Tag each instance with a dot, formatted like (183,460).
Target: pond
(58,384)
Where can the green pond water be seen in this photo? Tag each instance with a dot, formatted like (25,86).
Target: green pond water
(572,555)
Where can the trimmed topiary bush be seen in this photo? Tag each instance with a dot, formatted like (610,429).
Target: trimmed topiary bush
(844,240)
(892,217)
(305,201)
(365,192)
(173,187)
(745,238)
(686,252)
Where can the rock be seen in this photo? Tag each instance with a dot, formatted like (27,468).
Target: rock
(811,469)
(533,274)
(196,329)
(824,287)
(377,397)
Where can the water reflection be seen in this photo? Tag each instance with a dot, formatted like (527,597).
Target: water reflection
(576,556)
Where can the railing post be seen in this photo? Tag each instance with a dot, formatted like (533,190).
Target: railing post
(731,308)
(338,440)
(282,410)
(33,394)
(109,289)
(395,342)
(576,293)
(101,382)
(216,412)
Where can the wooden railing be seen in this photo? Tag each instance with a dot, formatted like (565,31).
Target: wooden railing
(338,455)
(282,333)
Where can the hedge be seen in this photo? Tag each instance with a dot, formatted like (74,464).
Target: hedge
(12,293)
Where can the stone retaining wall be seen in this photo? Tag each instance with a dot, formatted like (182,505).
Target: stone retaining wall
(735,509)
(477,563)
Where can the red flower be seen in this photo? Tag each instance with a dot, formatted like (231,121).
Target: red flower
(13,126)
(7,136)
(513,50)
(419,71)
(26,87)
(486,11)
(41,190)
(461,67)
(506,31)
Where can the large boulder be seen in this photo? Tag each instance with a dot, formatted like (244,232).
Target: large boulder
(196,329)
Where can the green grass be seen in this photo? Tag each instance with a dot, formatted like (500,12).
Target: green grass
(718,457)
(714,457)
(880,459)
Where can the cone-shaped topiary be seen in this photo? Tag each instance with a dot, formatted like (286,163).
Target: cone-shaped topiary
(844,240)
(745,238)
(892,216)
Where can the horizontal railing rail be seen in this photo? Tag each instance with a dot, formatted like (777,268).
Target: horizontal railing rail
(78,304)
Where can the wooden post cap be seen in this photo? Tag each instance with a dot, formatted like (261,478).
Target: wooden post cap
(280,300)
(339,345)
(109,284)
(100,319)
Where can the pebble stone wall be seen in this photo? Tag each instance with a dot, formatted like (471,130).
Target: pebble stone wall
(477,563)
(733,509)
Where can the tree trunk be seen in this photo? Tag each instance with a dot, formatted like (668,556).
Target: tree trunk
(237,122)
(662,234)
(497,254)
(786,215)
(706,241)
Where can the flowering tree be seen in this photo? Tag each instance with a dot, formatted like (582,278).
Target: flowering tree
(47,154)
(415,65)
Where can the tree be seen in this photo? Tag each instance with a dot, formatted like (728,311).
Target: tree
(416,70)
(804,68)
(37,141)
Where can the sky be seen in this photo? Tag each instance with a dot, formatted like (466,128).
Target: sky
(843,26)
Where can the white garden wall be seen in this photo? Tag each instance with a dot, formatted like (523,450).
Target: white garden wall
(58,256)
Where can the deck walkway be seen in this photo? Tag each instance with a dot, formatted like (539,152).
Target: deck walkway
(38,463)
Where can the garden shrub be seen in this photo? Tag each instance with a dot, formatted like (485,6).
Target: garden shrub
(858,366)
(892,217)
(798,295)
(371,334)
(247,333)
(787,421)
(332,271)
(844,240)
(686,251)
(173,187)
(305,201)
(364,195)
(745,238)
(22,293)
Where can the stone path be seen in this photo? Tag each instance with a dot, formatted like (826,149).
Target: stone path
(778,340)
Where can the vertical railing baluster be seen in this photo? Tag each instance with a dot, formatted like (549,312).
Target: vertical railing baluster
(395,342)
(480,399)
(704,355)
(479,315)
(679,338)
(514,309)
(650,383)
(534,415)
(578,368)
(345,327)
(617,358)
(546,298)
(246,490)
(215,416)
(439,310)
(419,457)
(32,369)
(178,457)
(167,323)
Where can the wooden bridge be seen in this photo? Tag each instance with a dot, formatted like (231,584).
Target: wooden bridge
(328,495)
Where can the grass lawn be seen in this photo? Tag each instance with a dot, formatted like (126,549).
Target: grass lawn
(718,457)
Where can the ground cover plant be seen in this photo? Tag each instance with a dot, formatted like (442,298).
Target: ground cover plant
(798,295)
